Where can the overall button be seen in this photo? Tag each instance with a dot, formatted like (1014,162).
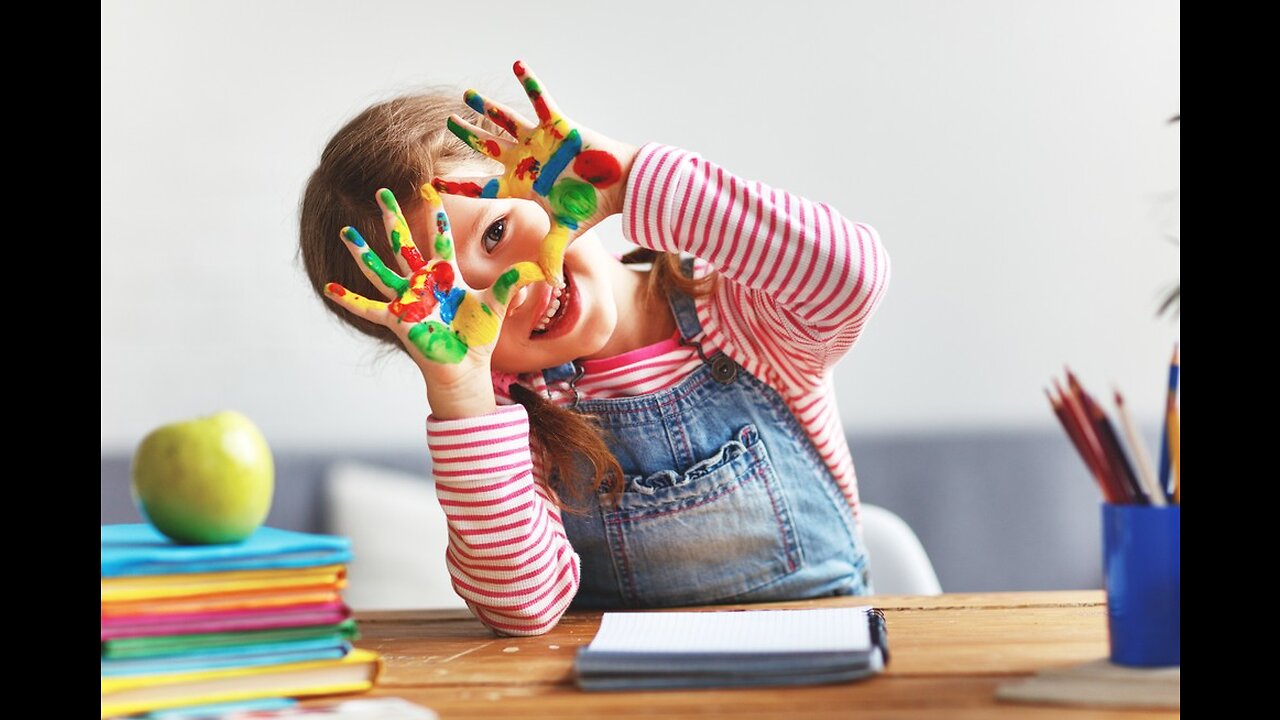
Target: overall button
(724,370)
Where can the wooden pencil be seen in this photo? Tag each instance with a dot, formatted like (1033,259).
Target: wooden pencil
(1170,406)
(1120,464)
(1081,446)
(1137,448)
(1174,443)
(1075,406)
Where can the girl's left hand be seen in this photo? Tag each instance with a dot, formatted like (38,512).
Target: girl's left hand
(579,177)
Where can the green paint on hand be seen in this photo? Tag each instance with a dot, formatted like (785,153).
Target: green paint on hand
(502,287)
(388,278)
(437,342)
(389,199)
(465,135)
(444,247)
(531,86)
(572,200)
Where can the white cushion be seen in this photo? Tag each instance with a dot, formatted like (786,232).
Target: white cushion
(899,564)
(398,536)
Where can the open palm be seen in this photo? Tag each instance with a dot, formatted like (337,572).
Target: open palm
(428,305)
(576,175)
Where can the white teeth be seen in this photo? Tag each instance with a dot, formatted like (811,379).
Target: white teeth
(552,308)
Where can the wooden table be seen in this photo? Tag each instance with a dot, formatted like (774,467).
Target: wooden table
(948,654)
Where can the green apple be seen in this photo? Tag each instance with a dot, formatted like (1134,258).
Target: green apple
(205,481)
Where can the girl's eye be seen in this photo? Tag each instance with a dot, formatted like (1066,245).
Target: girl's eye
(493,235)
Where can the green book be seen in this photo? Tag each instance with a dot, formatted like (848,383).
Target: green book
(157,645)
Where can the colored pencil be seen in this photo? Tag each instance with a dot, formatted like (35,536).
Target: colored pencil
(1170,407)
(1146,475)
(1076,412)
(1089,409)
(1079,442)
(1174,432)
(1120,464)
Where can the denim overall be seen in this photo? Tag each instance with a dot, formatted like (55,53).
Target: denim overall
(726,498)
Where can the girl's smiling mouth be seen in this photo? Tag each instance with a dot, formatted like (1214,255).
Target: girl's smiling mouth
(560,312)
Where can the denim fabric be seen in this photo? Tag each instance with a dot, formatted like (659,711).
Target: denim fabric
(726,498)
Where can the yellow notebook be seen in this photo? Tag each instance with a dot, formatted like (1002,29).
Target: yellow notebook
(151,587)
(128,695)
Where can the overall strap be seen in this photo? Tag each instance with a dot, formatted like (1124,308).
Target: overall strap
(723,369)
(559,373)
(683,307)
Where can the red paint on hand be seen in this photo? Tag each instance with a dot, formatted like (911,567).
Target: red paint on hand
(466,189)
(411,256)
(528,168)
(493,148)
(597,167)
(441,278)
(335,289)
(415,311)
(503,121)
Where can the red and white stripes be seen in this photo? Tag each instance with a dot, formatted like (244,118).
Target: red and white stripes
(802,281)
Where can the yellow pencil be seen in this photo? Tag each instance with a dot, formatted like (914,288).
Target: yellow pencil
(1173,450)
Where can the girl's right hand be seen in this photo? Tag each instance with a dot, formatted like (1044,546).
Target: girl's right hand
(448,328)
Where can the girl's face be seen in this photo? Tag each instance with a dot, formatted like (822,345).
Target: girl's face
(491,235)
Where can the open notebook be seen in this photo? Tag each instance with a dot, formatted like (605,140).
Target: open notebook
(654,650)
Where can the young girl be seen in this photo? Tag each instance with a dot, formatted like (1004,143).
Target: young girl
(603,436)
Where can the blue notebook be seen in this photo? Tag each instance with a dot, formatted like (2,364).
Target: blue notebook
(141,550)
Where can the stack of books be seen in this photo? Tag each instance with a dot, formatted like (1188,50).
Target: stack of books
(190,625)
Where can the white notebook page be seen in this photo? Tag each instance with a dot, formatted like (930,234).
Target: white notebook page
(745,631)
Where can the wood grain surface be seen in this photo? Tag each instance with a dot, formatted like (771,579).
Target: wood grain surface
(948,654)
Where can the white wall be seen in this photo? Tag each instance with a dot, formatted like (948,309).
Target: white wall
(1013,155)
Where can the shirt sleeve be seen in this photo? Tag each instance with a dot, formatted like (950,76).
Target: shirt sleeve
(508,554)
(800,279)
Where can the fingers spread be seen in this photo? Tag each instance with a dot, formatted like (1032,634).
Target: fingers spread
(391,284)
(505,117)
(398,232)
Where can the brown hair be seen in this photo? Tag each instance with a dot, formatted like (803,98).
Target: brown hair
(400,144)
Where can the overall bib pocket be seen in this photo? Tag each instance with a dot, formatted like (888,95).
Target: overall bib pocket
(720,529)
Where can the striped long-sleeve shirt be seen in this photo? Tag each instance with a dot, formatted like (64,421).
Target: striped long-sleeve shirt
(799,282)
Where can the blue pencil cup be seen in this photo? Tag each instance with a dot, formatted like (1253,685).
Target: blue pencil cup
(1142,564)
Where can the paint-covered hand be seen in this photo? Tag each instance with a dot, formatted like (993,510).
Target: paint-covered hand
(577,175)
(449,328)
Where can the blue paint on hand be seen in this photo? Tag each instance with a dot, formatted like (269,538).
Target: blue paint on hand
(556,164)
(449,303)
